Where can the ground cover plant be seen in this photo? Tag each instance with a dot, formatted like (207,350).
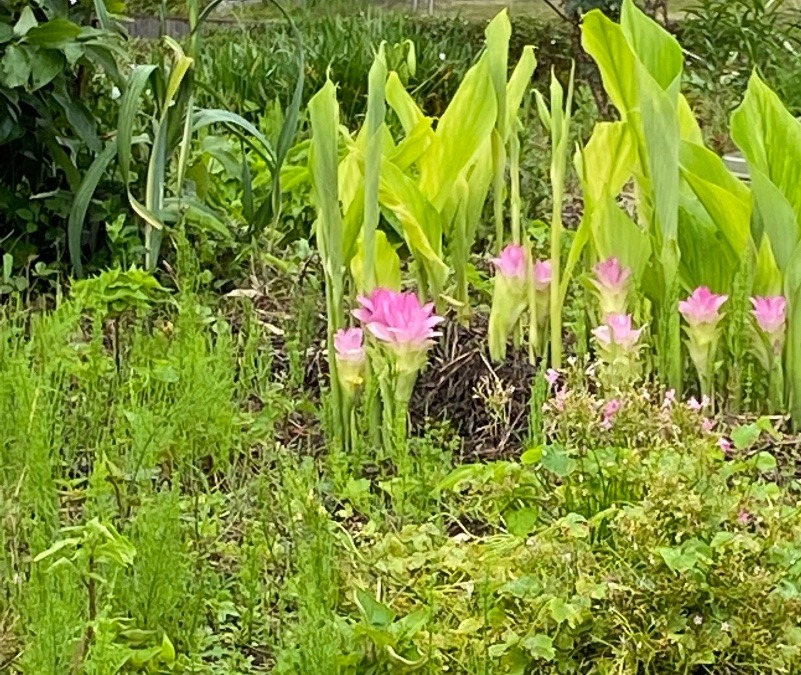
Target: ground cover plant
(414,428)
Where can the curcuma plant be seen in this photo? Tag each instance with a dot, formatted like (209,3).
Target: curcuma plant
(424,188)
(697,232)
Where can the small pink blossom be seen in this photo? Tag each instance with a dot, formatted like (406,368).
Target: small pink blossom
(611,275)
(707,424)
(349,345)
(697,406)
(542,275)
(743,517)
(724,444)
(610,410)
(702,307)
(770,313)
(618,331)
(551,377)
(398,319)
(670,398)
(512,262)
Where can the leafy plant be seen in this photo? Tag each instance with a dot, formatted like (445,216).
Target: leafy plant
(49,53)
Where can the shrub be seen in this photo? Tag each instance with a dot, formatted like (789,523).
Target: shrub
(629,547)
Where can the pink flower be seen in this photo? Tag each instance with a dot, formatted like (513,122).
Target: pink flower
(542,275)
(512,262)
(670,398)
(770,313)
(350,359)
(612,284)
(610,410)
(611,275)
(618,331)
(743,517)
(349,345)
(696,406)
(702,307)
(398,319)
(707,424)
(724,444)
(551,377)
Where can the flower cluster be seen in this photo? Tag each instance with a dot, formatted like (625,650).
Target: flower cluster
(398,322)
(515,277)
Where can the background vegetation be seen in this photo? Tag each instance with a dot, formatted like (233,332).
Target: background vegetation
(169,498)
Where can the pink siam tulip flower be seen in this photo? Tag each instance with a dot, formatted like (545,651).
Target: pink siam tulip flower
(724,444)
(552,377)
(612,283)
(350,358)
(707,424)
(542,275)
(771,317)
(618,331)
(744,517)
(702,313)
(770,313)
(399,320)
(702,307)
(512,262)
(509,296)
(349,345)
(670,398)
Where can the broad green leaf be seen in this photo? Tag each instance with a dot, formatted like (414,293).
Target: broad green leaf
(375,613)
(16,65)
(323,163)
(606,43)
(745,436)
(461,131)
(54,34)
(770,138)
(496,54)
(521,522)
(374,126)
(129,106)
(774,218)
(387,265)
(608,160)
(81,201)
(706,257)
(402,103)
(539,646)
(724,197)
(768,276)
(662,139)
(26,21)
(655,48)
(413,146)
(519,84)
(556,460)
(46,64)
(615,234)
(420,221)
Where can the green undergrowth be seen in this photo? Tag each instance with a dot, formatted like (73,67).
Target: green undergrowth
(167,504)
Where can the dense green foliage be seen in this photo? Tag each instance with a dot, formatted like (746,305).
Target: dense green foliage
(174,494)
(172,456)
